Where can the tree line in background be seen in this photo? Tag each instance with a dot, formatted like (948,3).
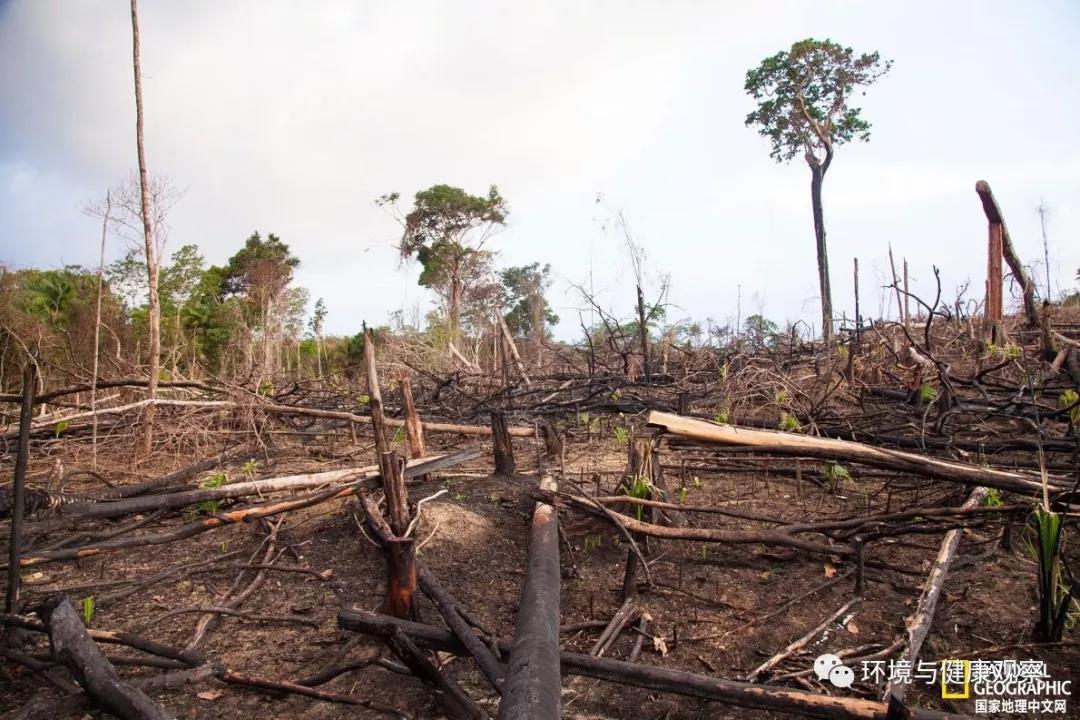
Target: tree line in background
(247,319)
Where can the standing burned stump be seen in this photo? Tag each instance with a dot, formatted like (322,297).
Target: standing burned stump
(504,450)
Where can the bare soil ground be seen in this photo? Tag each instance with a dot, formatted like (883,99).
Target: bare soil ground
(705,604)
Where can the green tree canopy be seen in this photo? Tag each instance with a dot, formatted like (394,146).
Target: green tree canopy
(524,287)
(446,231)
(803,107)
(803,97)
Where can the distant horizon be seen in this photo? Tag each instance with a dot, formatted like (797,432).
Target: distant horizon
(293,121)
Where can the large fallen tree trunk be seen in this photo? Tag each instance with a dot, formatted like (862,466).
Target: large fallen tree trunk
(730,692)
(240,515)
(273,409)
(918,625)
(72,646)
(532,688)
(844,450)
(290,483)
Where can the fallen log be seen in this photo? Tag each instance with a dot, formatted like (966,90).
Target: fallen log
(274,409)
(367,475)
(848,451)
(800,643)
(489,665)
(72,646)
(457,703)
(177,476)
(918,625)
(532,689)
(784,535)
(211,522)
(730,692)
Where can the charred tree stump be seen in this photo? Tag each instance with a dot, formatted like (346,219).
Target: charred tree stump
(1001,247)
(553,441)
(72,646)
(533,686)
(414,429)
(18,500)
(504,450)
(400,550)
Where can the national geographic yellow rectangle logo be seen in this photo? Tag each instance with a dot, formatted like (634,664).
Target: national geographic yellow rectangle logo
(948,694)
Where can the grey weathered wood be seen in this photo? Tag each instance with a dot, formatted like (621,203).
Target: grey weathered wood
(72,646)
(18,510)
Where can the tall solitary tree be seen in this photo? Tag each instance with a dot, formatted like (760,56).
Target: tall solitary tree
(446,231)
(148,237)
(804,107)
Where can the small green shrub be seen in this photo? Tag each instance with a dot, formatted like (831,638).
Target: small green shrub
(638,487)
(60,427)
(622,435)
(927,394)
(1055,599)
(1068,399)
(210,507)
(789,423)
(88,610)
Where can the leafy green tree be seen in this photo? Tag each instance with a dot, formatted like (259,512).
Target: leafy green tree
(760,332)
(127,279)
(804,107)
(529,313)
(176,285)
(446,231)
(261,272)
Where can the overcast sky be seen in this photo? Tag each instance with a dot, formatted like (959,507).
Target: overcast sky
(292,117)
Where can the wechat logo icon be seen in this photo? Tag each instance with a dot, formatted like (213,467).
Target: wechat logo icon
(829,667)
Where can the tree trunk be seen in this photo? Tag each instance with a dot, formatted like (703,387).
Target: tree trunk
(643,331)
(97,329)
(536,306)
(822,254)
(455,308)
(154,320)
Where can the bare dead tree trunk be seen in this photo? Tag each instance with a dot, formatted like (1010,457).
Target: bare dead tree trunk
(536,307)
(18,510)
(154,319)
(502,446)
(455,307)
(643,332)
(97,330)
(817,177)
